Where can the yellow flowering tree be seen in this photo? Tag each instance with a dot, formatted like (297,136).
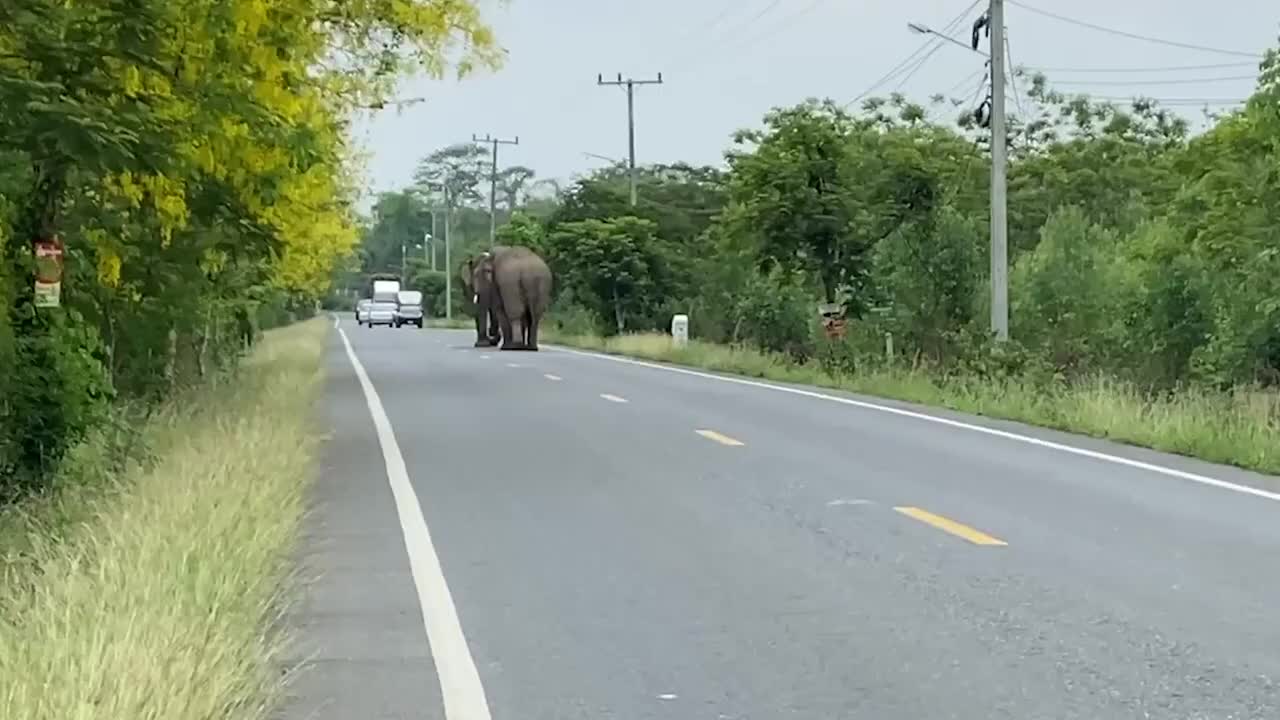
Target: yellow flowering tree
(193,157)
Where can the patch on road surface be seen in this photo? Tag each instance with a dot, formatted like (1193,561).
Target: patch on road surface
(848,501)
(960,530)
(722,439)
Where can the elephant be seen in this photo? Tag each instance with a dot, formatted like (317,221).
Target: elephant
(518,284)
(476,275)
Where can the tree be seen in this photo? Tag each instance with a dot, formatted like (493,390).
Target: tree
(794,196)
(193,157)
(612,266)
(460,168)
(512,182)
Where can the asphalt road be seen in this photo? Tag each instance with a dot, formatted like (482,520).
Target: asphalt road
(605,539)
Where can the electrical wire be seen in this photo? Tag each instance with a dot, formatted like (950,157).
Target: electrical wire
(966,80)
(1166,101)
(932,41)
(1131,36)
(708,26)
(681,61)
(1168,68)
(1172,81)
(977,93)
(916,68)
(1011,75)
(769,31)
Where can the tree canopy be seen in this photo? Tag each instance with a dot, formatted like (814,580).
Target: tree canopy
(193,158)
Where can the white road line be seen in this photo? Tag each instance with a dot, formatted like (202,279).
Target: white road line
(613,398)
(549,376)
(484,357)
(514,365)
(460,686)
(1082,452)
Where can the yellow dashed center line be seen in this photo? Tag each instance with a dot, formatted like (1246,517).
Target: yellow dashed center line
(722,439)
(977,537)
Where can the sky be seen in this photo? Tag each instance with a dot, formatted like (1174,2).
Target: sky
(725,63)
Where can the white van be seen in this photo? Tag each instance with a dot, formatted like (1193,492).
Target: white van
(409,308)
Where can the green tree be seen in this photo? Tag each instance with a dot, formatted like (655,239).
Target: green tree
(613,266)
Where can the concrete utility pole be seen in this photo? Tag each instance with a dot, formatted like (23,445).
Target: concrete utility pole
(630,85)
(493,182)
(448,262)
(999,161)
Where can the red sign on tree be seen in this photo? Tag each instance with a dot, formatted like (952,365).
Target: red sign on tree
(48,272)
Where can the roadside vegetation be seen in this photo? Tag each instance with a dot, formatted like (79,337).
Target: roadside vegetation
(1144,251)
(145,593)
(193,160)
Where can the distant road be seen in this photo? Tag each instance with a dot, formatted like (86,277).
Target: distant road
(583,537)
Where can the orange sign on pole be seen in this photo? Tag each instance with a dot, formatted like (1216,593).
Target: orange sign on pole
(48,272)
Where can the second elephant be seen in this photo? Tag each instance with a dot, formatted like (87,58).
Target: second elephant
(519,285)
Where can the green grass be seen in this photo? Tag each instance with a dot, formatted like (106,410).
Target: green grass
(150,594)
(1240,428)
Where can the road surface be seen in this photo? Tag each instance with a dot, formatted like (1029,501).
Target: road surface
(558,535)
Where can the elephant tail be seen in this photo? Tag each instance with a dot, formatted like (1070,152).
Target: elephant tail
(537,293)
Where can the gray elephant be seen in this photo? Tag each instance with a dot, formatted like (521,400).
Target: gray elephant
(476,276)
(518,285)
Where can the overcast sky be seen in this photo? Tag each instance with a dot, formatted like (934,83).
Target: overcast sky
(765,53)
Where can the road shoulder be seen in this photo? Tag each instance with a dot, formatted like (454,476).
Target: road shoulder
(360,649)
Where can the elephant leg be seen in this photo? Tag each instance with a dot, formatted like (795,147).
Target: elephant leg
(494,329)
(516,340)
(482,337)
(504,323)
(532,332)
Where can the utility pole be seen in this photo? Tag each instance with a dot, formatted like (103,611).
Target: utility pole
(630,85)
(999,161)
(493,181)
(448,262)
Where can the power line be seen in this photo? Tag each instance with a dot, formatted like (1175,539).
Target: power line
(1166,101)
(915,69)
(784,22)
(682,58)
(966,80)
(932,41)
(1013,83)
(1171,81)
(1167,68)
(1131,36)
(768,31)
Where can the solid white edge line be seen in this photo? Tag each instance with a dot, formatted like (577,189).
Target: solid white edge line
(460,685)
(1093,454)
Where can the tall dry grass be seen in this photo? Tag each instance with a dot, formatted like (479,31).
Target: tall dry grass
(155,601)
